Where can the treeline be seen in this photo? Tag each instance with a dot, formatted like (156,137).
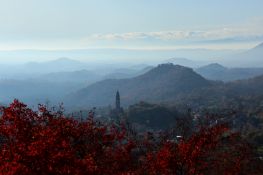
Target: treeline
(45,142)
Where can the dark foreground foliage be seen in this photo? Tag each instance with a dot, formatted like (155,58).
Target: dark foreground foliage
(45,142)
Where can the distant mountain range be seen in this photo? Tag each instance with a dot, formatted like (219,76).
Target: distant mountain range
(84,84)
(58,65)
(41,87)
(81,76)
(216,71)
(63,65)
(166,83)
(250,58)
(35,69)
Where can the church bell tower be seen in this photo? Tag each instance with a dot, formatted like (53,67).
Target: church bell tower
(118,103)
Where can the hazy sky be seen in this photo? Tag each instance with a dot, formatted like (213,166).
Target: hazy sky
(130,24)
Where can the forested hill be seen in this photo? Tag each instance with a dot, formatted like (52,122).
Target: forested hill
(163,83)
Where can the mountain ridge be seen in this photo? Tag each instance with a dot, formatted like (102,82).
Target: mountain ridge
(162,83)
(216,71)
(250,58)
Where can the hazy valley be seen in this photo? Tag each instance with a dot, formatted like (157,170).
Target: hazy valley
(131,87)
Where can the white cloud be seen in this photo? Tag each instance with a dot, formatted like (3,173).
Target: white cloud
(224,33)
(164,35)
(237,36)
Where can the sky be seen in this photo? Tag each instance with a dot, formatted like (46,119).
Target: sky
(130,24)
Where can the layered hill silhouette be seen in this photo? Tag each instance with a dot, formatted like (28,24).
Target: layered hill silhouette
(164,83)
(80,76)
(216,71)
(248,87)
(235,95)
(58,65)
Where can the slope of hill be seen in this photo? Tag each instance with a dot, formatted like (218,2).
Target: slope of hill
(127,73)
(238,95)
(216,71)
(166,82)
(252,86)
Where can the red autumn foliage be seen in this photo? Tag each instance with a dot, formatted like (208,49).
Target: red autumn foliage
(43,142)
(205,152)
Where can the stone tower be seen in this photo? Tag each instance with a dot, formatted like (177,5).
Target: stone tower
(118,103)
